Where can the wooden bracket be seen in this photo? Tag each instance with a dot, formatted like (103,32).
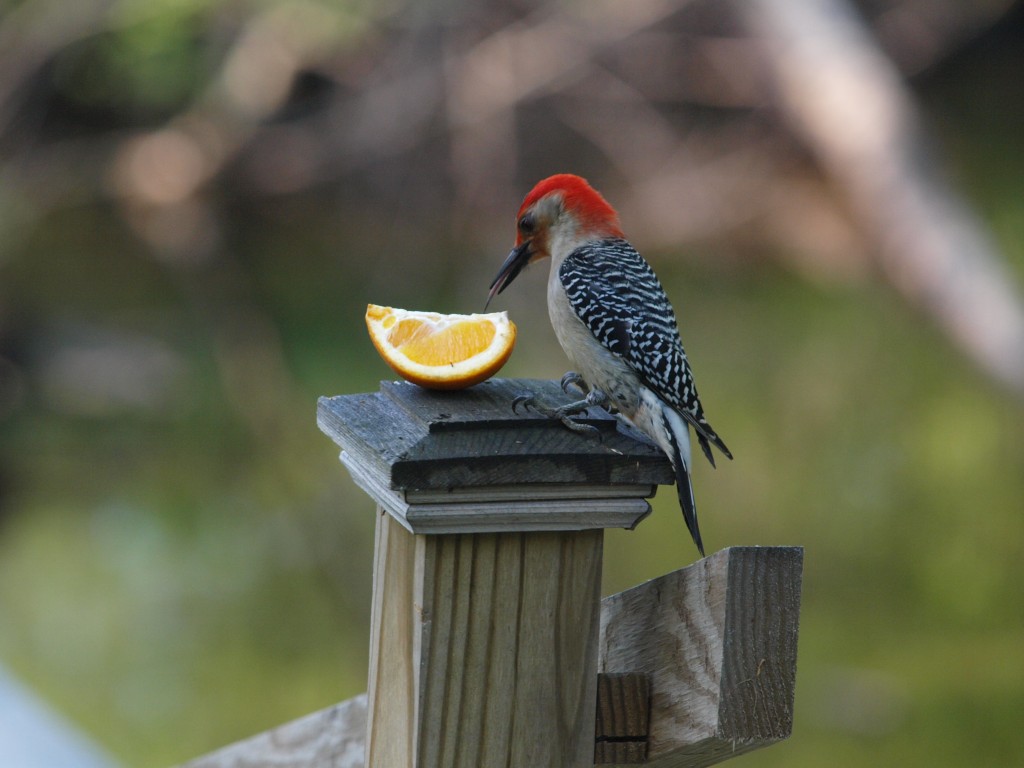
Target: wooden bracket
(718,641)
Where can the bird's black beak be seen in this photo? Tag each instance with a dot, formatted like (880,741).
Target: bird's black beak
(517,259)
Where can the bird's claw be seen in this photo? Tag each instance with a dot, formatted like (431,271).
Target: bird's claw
(527,401)
(573,380)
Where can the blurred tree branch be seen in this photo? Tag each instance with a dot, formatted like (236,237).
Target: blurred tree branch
(779,127)
(847,102)
(32,34)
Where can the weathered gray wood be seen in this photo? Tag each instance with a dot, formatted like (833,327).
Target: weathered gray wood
(495,509)
(718,640)
(538,491)
(484,649)
(421,439)
(480,407)
(331,738)
(484,645)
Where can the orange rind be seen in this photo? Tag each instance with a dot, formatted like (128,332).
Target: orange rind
(440,351)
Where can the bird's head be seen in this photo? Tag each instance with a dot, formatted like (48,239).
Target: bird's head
(559,213)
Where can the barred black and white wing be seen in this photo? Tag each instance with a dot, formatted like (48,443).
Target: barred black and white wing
(616,294)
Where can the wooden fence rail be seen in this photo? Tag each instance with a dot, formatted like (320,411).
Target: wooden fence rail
(490,644)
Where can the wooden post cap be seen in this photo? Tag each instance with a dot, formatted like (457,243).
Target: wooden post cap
(465,462)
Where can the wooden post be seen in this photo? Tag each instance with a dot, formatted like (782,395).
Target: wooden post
(486,596)
(489,644)
(484,645)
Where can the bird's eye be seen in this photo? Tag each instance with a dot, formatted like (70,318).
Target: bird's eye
(527,224)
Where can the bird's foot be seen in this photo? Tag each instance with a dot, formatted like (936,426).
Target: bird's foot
(572,383)
(564,412)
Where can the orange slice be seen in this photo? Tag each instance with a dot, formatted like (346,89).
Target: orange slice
(441,351)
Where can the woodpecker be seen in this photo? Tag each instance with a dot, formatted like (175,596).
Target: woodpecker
(614,322)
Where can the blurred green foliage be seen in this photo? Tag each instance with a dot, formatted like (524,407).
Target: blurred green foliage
(189,567)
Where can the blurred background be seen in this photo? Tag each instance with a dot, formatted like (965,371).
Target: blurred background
(199,197)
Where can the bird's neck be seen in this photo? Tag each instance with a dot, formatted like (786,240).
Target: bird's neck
(562,241)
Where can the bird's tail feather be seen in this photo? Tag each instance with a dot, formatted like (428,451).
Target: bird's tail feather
(706,436)
(678,435)
(706,447)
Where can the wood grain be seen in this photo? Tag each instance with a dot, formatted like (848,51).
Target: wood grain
(623,706)
(623,718)
(498,647)
(331,738)
(718,640)
(485,635)
(394,671)
(620,753)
